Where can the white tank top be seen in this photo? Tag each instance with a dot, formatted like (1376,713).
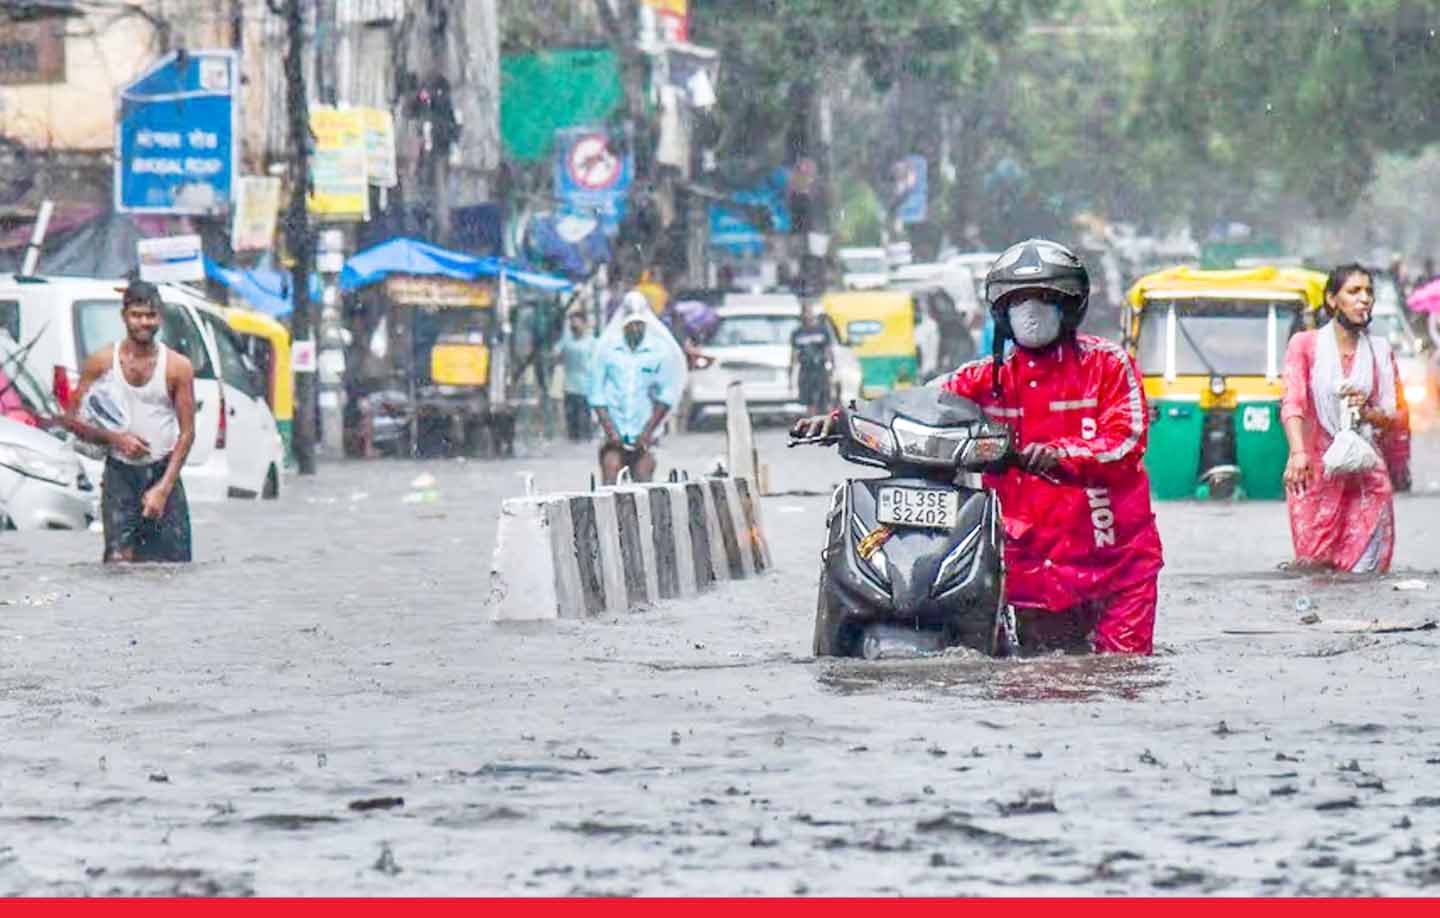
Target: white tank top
(152,414)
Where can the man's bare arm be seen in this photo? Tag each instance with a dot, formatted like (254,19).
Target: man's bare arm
(95,366)
(181,379)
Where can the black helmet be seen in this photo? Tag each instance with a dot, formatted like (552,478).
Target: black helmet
(1037,265)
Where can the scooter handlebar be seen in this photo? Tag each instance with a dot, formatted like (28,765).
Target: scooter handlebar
(826,440)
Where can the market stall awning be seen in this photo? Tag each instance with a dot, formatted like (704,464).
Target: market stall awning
(425,259)
(266,289)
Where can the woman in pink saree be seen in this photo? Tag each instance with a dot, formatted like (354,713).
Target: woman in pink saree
(1340,376)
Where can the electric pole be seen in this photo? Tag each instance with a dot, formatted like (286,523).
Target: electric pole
(299,238)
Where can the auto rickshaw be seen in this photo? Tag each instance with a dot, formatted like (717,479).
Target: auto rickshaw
(1211,344)
(449,325)
(267,342)
(880,326)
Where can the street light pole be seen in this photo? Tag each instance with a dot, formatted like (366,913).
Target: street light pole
(299,238)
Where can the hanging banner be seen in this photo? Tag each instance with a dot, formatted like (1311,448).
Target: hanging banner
(341,186)
(667,20)
(380,147)
(911,189)
(175,138)
(257,207)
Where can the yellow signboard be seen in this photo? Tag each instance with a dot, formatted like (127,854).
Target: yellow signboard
(460,364)
(410,290)
(341,187)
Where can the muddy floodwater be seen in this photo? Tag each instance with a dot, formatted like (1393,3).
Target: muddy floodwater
(320,706)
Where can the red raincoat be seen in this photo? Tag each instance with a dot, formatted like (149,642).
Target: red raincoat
(1091,540)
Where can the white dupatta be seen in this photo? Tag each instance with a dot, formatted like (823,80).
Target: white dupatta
(1327,383)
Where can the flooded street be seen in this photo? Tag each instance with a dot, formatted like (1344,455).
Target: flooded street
(320,706)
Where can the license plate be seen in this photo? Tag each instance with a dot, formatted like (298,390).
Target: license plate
(920,507)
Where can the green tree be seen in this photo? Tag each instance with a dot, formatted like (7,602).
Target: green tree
(1310,91)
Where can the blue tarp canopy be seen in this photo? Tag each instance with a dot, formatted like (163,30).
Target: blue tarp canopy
(265,288)
(412,256)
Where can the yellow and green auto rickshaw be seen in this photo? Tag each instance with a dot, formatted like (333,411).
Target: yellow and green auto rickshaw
(880,326)
(1211,345)
(267,342)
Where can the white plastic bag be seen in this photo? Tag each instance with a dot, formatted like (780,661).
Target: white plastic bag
(1350,454)
(102,407)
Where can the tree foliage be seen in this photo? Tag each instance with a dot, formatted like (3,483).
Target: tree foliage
(1312,91)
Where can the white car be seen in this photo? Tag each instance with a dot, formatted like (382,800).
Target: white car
(863,268)
(957,280)
(751,344)
(978,264)
(42,484)
(64,319)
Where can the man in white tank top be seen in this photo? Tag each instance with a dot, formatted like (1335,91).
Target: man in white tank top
(143,506)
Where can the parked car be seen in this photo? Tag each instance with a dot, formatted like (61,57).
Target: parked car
(257,451)
(42,483)
(64,319)
(752,344)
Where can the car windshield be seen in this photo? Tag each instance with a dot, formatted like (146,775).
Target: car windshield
(37,397)
(98,323)
(1230,336)
(762,300)
(745,331)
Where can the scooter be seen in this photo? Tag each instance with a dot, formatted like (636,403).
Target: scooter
(915,560)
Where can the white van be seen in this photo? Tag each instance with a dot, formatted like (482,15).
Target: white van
(69,318)
(257,451)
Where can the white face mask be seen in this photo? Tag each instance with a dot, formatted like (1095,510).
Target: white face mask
(1035,323)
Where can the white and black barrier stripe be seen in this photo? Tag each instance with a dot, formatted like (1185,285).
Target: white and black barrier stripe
(572,555)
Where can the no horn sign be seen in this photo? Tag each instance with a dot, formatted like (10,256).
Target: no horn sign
(590,179)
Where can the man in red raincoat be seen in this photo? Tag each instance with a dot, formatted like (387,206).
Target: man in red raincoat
(1079,530)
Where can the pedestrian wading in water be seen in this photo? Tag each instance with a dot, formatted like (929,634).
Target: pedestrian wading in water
(1340,378)
(142,409)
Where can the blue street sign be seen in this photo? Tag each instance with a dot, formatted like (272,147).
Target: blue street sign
(590,179)
(730,228)
(912,187)
(176,143)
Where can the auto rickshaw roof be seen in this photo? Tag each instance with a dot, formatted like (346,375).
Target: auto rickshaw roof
(1262,283)
(251,321)
(867,300)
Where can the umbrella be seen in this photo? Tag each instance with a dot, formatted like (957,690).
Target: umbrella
(699,319)
(1426,297)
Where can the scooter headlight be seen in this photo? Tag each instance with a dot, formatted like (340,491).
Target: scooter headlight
(929,445)
(990,444)
(872,435)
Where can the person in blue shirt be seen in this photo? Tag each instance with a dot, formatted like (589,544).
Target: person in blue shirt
(637,376)
(576,348)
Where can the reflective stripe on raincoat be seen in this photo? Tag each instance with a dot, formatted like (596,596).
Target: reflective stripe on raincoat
(1093,536)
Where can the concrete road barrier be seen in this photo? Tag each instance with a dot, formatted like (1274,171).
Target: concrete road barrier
(576,554)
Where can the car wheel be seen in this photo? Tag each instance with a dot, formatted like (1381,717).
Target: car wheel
(271,488)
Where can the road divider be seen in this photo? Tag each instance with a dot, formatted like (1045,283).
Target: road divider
(570,555)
